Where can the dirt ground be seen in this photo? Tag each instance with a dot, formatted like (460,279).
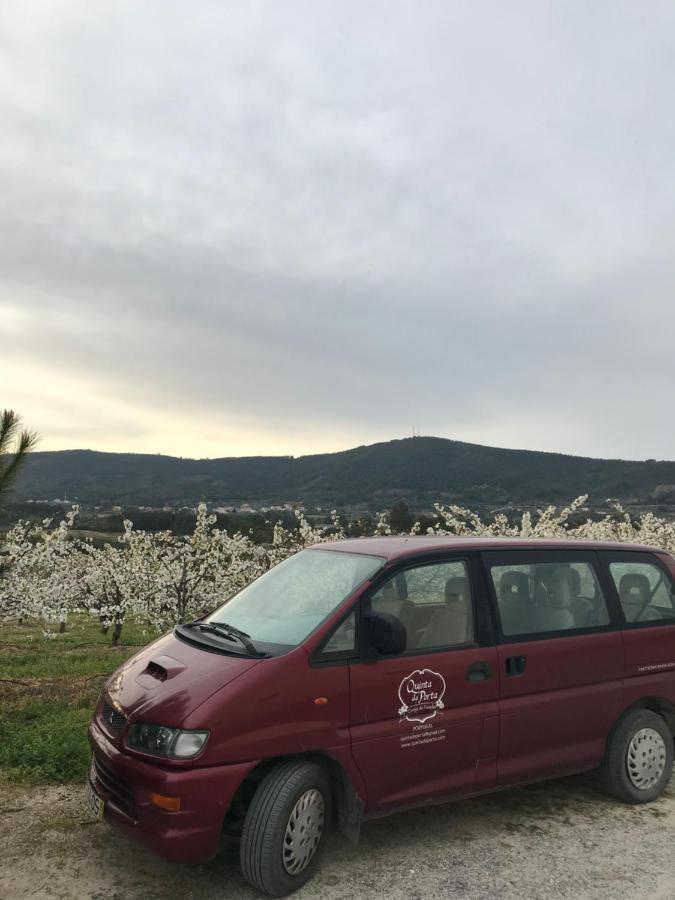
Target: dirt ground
(564,839)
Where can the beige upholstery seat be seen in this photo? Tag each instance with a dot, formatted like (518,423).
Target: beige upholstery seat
(564,591)
(516,609)
(586,612)
(559,589)
(452,623)
(387,601)
(635,593)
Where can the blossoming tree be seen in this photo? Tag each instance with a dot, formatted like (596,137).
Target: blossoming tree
(160,579)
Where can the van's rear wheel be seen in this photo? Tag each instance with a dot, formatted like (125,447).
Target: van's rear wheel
(639,758)
(285,827)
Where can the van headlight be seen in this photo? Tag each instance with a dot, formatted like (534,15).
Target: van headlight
(159,740)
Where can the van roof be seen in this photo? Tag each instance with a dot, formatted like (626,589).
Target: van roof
(391,547)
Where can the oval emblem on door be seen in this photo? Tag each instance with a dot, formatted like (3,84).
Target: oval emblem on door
(421,695)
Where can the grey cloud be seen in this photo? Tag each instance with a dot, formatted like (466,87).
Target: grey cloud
(349,218)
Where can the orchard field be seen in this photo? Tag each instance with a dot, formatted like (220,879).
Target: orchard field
(71,611)
(48,689)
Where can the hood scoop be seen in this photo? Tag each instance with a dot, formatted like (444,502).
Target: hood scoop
(159,670)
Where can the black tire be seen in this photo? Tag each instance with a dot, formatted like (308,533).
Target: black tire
(262,841)
(658,759)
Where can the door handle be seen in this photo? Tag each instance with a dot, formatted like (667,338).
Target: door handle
(515,665)
(478,671)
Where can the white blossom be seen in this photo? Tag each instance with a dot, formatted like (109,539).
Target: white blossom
(160,579)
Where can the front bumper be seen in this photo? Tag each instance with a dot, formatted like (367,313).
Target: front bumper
(191,835)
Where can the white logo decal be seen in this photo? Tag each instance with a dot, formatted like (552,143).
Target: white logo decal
(421,695)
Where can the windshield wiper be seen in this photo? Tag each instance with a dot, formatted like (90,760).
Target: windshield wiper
(229,632)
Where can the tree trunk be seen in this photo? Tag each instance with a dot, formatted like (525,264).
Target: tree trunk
(62,627)
(117,633)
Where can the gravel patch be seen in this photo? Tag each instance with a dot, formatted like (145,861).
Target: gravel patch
(555,840)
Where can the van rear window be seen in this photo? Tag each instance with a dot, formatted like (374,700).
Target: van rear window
(645,591)
(540,597)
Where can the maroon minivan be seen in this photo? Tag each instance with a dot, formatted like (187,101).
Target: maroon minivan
(361,677)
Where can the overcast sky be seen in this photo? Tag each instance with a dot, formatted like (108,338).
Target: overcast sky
(285,227)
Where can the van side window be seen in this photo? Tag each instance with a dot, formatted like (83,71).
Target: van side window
(645,591)
(539,597)
(434,603)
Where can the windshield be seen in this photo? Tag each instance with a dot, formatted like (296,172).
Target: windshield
(287,603)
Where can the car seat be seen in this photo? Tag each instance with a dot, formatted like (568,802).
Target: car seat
(518,613)
(635,594)
(564,591)
(452,624)
(388,600)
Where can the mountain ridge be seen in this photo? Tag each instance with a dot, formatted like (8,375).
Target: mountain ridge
(421,469)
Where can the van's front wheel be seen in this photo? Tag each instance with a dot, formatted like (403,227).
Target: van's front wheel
(285,827)
(639,758)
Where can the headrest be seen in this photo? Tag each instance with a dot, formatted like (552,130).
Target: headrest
(401,586)
(388,591)
(457,590)
(515,583)
(564,587)
(634,586)
(395,589)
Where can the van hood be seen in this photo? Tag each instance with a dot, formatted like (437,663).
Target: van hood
(168,679)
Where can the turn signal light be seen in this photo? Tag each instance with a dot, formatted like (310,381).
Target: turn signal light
(321,701)
(172,804)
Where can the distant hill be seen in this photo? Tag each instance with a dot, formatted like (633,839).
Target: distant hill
(420,469)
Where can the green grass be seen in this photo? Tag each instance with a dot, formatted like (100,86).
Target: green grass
(48,689)
(81,650)
(45,742)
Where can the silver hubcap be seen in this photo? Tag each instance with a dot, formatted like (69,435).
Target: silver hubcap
(303,831)
(646,758)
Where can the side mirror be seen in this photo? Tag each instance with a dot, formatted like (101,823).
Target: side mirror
(385,633)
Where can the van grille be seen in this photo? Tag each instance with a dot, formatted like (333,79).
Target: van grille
(113,720)
(120,792)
